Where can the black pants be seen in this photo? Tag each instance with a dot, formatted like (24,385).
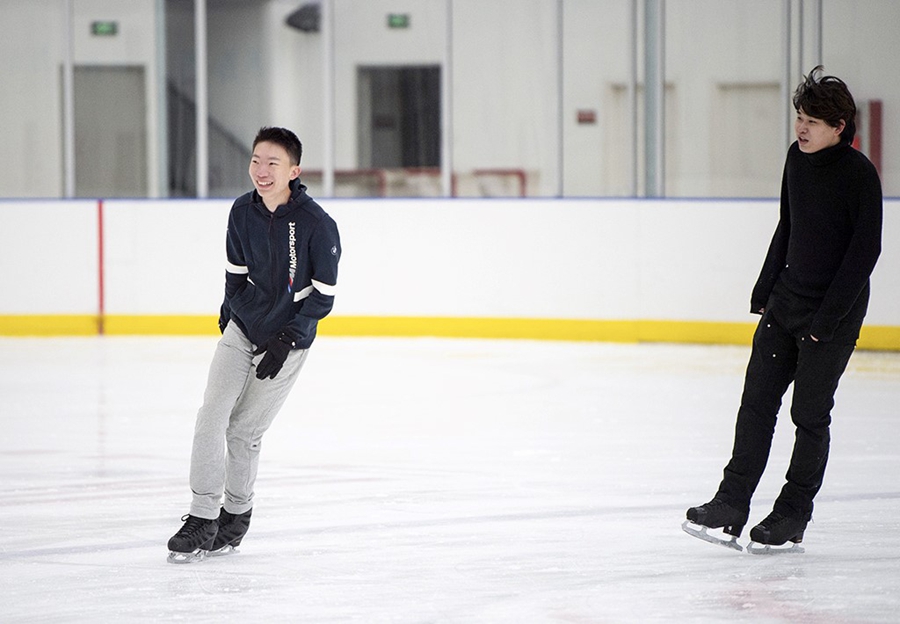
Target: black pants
(781,355)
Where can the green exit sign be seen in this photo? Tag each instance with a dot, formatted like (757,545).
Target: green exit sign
(398,20)
(105,28)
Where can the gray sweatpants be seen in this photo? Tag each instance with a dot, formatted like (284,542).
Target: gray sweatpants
(237,410)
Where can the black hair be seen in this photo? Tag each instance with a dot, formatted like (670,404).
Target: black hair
(827,98)
(283,137)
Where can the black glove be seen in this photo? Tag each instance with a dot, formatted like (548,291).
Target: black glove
(276,350)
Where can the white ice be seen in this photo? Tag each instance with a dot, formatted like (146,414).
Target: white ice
(427,480)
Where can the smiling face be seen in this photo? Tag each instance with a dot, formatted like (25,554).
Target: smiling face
(272,171)
(814,134)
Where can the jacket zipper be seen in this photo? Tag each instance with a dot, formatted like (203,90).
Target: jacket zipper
(273,273)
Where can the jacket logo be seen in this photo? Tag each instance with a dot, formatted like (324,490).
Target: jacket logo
(292,252)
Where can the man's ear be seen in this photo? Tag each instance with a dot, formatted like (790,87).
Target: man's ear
(840,127)
(295,172)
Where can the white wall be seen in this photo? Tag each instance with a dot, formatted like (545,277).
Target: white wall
(49,257)
(568,259)
(859,35)
(504,81)
(239,96)
(362,38)
(30,98)
(164,257)
(545,259)
(32,50)
(504,84)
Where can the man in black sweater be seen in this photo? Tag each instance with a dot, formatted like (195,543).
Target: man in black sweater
(812,293)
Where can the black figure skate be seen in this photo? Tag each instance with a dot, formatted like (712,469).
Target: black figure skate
(775,530)
(716,514)
(193,540)
(232,529)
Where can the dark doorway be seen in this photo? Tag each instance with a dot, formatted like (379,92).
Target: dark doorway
(399,116)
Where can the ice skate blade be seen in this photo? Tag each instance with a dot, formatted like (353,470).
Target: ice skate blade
(227,549)
(767,549)
(191,557)
(699,531)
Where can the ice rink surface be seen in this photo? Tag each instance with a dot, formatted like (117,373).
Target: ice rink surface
(427,480)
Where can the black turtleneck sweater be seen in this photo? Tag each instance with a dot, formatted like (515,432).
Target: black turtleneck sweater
(828,236)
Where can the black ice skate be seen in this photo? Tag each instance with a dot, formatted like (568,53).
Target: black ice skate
(193,540)
(232,529)
(776,530)
(716,514)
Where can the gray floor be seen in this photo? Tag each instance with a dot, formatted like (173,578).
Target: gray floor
(433,481)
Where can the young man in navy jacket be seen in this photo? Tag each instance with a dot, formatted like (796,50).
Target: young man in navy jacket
(812,293)
(281,273)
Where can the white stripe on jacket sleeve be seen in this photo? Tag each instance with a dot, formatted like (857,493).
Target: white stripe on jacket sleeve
(325,289)
(302,294)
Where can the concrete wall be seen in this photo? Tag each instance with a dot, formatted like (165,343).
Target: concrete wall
(724,61)
(610,265)
(32,51)
(723,64)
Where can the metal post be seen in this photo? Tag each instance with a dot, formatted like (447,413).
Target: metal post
(800,24)
(447,105)
(633,99)
(328,98)
(654,96)
(786,73)
(202,96)
(560,96)
(817,33)
(69,102)
(162,112)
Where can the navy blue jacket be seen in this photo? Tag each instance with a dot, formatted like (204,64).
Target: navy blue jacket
(282,267)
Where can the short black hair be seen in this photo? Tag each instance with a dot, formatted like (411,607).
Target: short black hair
(283,137)
(829,99)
